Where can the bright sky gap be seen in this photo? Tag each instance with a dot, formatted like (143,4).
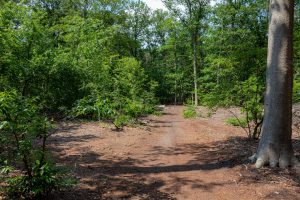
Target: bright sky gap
(158,4)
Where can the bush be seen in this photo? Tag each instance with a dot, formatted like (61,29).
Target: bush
(252,105)
(126,94)
(237,122)
(120,111)
(122,120)
(24,133)
(190,112)
(45,178)
(94,108)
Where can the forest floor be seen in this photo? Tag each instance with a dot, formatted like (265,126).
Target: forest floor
(168,157)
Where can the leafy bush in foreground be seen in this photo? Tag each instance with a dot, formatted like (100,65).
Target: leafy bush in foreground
(25,166)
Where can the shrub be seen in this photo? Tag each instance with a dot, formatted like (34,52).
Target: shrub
(24,133)
(120,111)
(252,106)
(123,90)
(190,112)
(121,121)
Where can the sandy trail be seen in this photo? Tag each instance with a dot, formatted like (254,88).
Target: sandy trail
(169,158)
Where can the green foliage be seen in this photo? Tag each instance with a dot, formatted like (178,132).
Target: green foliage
(296,91)
(45,179)
(129,97)
(64,51)
(24,133)
(234,71)
(120,113)
(121,121)
(190,112)
(75,60)
(236,50)
(94,108)
(113,60)
(42,182)
(237,122)
(250,92)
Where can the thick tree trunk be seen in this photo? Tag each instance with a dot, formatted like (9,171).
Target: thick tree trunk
(275,146)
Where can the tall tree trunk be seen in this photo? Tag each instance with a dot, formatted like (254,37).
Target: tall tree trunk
(275,146)
(194,41)
(175,71)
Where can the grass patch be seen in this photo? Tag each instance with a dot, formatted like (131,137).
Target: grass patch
(236,122)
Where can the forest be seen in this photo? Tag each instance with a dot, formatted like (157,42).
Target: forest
(99,99)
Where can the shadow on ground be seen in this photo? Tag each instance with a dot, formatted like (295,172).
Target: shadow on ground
(123,178)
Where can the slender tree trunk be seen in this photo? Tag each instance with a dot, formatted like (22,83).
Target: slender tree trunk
(175,71)
(275,146)
(194,41)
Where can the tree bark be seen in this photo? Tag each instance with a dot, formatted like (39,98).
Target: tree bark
(275,147)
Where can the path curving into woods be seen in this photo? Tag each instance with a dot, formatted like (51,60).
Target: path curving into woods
(167,158)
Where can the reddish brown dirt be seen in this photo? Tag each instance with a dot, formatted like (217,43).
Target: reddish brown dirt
(168,158)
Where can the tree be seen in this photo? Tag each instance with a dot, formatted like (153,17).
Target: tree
(138,23)
(191,13)
(235,45)
(275,146)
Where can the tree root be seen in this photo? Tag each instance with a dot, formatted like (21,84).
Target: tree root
(252,158)
(283,162)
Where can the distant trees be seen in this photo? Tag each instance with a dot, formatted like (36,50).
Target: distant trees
(235,52)
(137,25)
(193,50)
(191,14)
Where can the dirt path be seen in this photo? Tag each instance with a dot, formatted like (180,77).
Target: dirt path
(169,158)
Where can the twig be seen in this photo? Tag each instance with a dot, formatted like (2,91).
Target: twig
(239,121)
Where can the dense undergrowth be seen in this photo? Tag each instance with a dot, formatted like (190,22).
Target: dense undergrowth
(62,64)
(26,169)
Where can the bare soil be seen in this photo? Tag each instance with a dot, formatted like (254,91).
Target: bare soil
(168,158)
